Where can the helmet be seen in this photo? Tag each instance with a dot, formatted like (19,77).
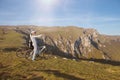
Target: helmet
(33,32)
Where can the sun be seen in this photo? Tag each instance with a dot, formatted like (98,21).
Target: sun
(49,2)
(47,5)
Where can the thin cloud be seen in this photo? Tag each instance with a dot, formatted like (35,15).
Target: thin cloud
(81,19)
(7,14)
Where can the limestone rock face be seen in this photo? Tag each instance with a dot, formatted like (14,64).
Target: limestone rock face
(79,47)
(76,42)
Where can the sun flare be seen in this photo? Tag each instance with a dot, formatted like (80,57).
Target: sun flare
(49,2)
(47,5)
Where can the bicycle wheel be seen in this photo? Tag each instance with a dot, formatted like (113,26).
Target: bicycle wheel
(29,54)
(20,52)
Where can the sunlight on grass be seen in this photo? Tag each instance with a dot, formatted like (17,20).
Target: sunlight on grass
(11,40)
(52,69)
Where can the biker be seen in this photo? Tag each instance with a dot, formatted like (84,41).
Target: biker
(33,38)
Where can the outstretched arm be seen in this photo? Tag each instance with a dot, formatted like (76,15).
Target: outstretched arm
(38,35)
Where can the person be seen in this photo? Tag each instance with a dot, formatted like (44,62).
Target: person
(33,38)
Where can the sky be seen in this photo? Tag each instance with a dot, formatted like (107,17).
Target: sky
(103,15)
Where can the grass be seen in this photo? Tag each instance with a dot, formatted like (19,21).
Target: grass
(14,68)
(11,40)
(113,50)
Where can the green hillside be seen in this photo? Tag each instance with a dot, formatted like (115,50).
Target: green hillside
(10,39)
(56,68)
(14,68)
(113,49)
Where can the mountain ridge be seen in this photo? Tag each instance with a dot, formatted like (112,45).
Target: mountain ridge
(93,45)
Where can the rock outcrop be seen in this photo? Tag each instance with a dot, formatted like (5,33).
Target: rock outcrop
(73,42)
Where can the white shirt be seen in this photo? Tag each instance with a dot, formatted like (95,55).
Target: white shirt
(33,39)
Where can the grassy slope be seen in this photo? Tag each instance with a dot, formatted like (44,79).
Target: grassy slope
(14,68)
(10,40)
(65,32)
(113,50)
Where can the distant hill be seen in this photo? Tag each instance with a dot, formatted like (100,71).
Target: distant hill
(89,43)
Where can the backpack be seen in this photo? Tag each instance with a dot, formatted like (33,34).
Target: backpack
(30,44)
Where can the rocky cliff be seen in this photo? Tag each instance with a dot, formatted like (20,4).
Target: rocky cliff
(75,42)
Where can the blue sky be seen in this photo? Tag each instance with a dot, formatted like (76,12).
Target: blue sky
(103,15)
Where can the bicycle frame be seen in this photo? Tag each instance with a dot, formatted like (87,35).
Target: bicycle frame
(41,48)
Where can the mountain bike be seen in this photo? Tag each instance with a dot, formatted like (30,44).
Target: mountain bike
(44,51)
(41,53)
(21,52)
